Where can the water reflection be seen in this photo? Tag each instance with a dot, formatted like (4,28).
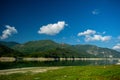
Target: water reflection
(20,64)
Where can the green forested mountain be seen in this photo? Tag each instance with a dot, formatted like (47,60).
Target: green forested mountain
(5,51)
(48,48)
(97,51)
(36,46)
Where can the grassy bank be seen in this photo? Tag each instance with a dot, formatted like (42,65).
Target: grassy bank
(70,73)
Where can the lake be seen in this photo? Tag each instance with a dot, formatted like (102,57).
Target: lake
(21,64)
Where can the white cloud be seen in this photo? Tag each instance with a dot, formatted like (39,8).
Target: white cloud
(8,32)
(97,38)
(116,47)
(95,12)
(91,35)
(87,32)
(52,29)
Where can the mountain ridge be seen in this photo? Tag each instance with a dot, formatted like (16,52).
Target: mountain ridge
(9,44)
(49,48)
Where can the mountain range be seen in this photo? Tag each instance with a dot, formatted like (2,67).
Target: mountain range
(49,48)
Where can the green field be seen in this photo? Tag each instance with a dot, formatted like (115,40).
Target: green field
(111,72)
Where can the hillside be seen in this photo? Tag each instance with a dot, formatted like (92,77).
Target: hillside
(9,44)
(5,51)
(97,51)
(36,46)
(48,48)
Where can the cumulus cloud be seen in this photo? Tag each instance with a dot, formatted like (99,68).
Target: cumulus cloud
(8,32)
(116,47)
(97,38)
(87,32)
(91,35)
(52,29)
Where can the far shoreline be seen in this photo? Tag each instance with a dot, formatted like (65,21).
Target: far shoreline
(12,59)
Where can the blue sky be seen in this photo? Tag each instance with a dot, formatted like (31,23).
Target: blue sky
(96,21)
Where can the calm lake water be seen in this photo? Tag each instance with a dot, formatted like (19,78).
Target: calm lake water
(21,64)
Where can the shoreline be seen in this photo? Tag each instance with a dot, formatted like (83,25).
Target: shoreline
(12,59)
(27,69)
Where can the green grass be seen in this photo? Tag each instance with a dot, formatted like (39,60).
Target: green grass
(70,73)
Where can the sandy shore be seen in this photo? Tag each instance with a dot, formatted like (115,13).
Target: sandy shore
(29,69)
